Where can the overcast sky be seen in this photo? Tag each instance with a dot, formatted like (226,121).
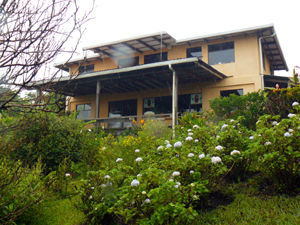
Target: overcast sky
(119,19)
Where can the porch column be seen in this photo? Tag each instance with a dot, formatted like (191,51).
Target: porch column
(38,95)
(98,88)
(174,98)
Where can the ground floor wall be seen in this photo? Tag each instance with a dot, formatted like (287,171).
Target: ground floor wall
(209,90)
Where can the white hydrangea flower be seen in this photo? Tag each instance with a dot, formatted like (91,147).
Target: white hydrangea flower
(233,126)
(196,127)
(91,196)
(217,136)
(232,120)
(195,197)
(177,155)
(291,115)
(196,140)
(287,134)
(224,126)
(90,130)
(216,159)
(119,160)
(133,202)
(251,137)
(67,174)
(295,103)
(135,183)
(176,173)
(137,150)
(177,144)
(171,180)
(92,188)
(139,159)
(147,200)
(177,185)
(103,185)
(167,142)
(168,146)
(219,148)
(107,177)
(201,156)
(139,175)
(234,152)
(192,171)
(104,148)
(267,143)
(190,134)
(143,192)
(291,130)
(189,139)
(189,130)
(274,123)
(192,184)
(190,155)
(160,147)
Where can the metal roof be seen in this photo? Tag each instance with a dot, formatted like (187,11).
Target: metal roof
(136,78)
(156,41)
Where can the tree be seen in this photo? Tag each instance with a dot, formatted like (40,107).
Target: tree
(33,33)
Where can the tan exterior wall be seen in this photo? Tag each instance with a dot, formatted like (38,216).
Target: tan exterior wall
(242,74)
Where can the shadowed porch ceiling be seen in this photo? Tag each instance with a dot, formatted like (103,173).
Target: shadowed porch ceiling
(135,79)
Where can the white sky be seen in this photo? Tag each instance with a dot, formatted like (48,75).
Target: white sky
(119,19)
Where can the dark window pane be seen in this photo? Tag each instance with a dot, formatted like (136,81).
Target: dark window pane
(221,53)
(238,92)
(86,69)
(194,52)
(123,63)
(158,57)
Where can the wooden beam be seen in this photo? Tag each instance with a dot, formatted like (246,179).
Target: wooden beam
(149,46)
(133,48)
(118,50)
(160,41)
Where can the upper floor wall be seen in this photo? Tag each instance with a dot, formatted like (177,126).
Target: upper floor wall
(237,56)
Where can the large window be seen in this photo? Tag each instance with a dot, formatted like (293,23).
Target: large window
(85,111)
(221,53)
(158,57)
(123,63)
(194,52)
(226,93)
(86,69)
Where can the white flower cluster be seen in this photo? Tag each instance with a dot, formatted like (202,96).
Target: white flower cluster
(251,137)
(291,130)
(274,123)
(291,115)
(177,185)
(107,177)
(267,143)
(175,173)
(139,175)
(160,147)
(177,144)
(295,103)
(196,127)
(192,171)
(168,146)
(139,159)
(135,183)
(287,134)
(149,113)
(137,150)
(147,200)
(224,126)
(216,159)
(196,140)
(67,174)
(190,155)
(119,160)
(189,130)
(219,148)
(189,139)
(190,134)
(201,156)
(232,120)
(167,142)
(234,152)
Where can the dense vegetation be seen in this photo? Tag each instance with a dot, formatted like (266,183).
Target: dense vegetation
(246,151)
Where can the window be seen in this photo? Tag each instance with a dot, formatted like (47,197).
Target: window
(123,63)
(238,92)
(158,57)
(86,69)
(84,111)
(221,53)
(194,52)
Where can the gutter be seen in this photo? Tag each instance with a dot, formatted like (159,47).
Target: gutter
(261,59)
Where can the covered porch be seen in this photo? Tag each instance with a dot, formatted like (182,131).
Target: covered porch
(167,76)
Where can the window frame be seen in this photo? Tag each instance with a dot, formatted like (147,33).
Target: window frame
(78,108)
(221,47)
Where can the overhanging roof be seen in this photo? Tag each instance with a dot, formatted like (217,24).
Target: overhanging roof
(154,42)
(136,78)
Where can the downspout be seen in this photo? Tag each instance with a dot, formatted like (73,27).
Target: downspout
(261,60)
(174,99)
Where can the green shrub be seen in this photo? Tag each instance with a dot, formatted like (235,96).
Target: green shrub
(251,106)
(154,129)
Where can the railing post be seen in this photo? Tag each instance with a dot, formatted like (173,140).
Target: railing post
(98,88)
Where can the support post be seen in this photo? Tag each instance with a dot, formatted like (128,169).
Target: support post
(174,99)
(38,95)
(98,88)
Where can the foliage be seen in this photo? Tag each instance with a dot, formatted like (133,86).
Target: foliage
(193,118)
(278,147)
(251,106)
(294,81)
(154,129)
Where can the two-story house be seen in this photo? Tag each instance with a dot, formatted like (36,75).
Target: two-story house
(124,79)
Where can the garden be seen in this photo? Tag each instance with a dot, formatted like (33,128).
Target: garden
(236,164)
